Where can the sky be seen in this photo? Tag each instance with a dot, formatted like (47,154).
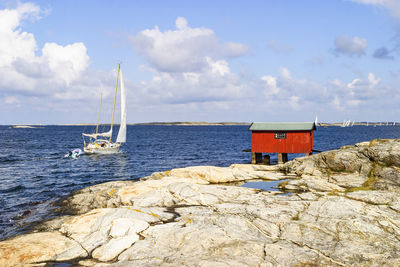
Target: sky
(214,61)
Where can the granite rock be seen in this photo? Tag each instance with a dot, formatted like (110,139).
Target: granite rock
(39,247)
(343,209)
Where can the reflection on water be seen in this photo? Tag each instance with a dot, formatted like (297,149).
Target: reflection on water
(264,185)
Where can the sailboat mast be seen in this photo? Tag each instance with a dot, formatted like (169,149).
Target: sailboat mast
(98,119)
(115,99)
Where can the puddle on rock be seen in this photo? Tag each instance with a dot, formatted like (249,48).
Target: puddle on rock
(264,185)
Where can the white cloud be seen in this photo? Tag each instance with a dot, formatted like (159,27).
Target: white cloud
(183,50)
(48,79)
(271,87)
(221,66)
(190,67)
(373,82)
(364,85)
(181,23)
(360,91)
(13,42)
(393,6)
(203,83)
(66,62)
(353,83)
(350,46)
(10,18)
(25,71)
(215,83)
(296,94)
(192,77)
(285,73)
(286,91)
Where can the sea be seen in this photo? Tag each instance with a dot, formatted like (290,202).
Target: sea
(34,173)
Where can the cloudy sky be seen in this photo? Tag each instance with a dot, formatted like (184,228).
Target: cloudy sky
(286,60)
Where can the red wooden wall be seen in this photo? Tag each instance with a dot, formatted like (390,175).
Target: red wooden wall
(295,142)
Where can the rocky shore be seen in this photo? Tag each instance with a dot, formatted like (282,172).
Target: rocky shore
(336,208)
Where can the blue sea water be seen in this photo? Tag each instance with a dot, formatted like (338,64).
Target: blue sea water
(34,172)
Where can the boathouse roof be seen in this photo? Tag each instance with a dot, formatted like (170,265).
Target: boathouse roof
(282,126)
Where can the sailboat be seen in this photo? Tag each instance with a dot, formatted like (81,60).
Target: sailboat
(101,143)
(346,123)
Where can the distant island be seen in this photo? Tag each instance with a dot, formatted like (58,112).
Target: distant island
(193,123)
(184,123)
(24,127)
(203,123)
(362,123)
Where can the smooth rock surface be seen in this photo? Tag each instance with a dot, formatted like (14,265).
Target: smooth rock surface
(39,247)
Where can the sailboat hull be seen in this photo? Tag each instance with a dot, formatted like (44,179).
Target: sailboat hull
(105,148)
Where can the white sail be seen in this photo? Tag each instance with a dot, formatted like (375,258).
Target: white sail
(106,134)
(121,138)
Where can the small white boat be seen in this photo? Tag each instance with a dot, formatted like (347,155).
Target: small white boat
(74,154)
(100,143)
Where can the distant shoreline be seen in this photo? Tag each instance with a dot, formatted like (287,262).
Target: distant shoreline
(197,123)
(323,124)
(186,123)
(193,123)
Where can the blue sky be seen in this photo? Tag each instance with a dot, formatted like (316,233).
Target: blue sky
(200,60)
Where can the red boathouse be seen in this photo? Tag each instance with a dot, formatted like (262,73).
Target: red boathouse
(281,138)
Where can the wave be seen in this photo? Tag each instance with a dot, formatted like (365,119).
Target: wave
(12,189)
(5,159)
